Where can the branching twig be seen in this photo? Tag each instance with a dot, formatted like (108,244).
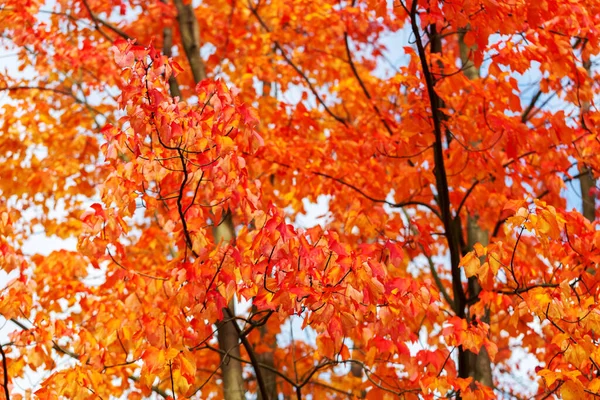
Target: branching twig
(98,21)
(362,85)
(434,274)
(75,356)
(289,61)
(360,191)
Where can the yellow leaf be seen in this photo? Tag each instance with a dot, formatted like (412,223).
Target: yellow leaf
(154,359)
(226,143)
(471,264)
(594,385)
(480,249)
(181,383)
(560,339)
(172,353)
(521,215)
(572,390)
(538,299)
(494,263)
(549,376)
(187,368)
(491,348)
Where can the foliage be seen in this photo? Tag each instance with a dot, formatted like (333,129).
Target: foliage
(111,135)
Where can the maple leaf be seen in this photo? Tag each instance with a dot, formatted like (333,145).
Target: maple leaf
(154,359)
(201,166)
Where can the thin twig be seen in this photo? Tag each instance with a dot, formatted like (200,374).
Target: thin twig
(362,85)
(289,61)
(97,22)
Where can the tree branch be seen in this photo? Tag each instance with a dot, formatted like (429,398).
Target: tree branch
(434,274)
(75,356)
(297,69)
(252,355)
(362,85)
(440,170)
(98,21)
(358,190)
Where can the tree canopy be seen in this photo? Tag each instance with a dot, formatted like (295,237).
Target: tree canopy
(178,143)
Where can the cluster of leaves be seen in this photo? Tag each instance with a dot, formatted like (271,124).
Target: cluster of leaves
(145,154)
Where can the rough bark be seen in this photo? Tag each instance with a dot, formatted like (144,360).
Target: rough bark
(268,358)
(586,179)
(479,365)
(231,368)
(586,183)
(228,338)
(167,46)
(190,38)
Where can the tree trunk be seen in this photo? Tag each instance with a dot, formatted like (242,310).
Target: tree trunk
(231,368)
(268,358)
(227,334)
(228,337)
(190,38)
(167,46)
(587,182)
(479,365)
(586,179)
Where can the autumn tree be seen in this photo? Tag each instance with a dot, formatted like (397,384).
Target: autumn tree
(178,142)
